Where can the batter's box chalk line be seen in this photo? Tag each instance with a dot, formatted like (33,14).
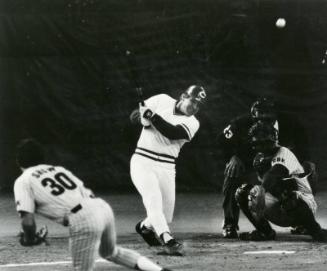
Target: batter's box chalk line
(48,263)
(269,252)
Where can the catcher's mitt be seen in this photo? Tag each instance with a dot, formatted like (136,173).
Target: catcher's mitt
(39,237)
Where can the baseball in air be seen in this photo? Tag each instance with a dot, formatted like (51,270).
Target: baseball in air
(281,22)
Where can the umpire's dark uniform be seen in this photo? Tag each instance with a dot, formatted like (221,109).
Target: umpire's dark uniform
(234,141)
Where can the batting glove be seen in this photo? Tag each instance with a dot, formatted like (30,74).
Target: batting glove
(146,115)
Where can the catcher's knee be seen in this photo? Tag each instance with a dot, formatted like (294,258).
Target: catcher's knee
(242,195)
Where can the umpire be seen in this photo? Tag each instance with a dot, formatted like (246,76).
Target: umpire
(239,155)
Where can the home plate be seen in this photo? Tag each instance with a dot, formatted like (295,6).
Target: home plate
(270,252)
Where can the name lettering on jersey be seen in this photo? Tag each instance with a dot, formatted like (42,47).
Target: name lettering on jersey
(39,173)
(278,159)
(228,132)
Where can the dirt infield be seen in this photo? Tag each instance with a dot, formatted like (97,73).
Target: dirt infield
(197,223)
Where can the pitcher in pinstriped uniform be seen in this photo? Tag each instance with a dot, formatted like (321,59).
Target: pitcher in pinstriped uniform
(55,193)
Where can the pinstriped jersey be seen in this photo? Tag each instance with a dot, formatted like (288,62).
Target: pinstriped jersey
(287,158)
(51,191)
(152,140)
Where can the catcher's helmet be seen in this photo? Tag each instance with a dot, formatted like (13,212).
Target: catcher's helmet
(198,93)
(263,136)
(263,109)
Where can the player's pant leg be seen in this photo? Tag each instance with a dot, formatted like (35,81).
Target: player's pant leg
(230,207)
(298,209)
(84,242)
(168,191)
(110,251)
(108,237)
(146,182)
(274,212)
(108,248)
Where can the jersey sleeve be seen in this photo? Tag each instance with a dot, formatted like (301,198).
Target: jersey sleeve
(285,158)
(153,102)
(24,197)
(229,131)
(228,141)
(191,126)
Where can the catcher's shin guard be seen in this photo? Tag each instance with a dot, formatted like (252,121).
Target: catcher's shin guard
(260,223)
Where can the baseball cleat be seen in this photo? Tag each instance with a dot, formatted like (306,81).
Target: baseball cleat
(148,235)
(230,232)
(172,248)
(257,236)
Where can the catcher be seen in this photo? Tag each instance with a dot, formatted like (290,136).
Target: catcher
(238,155)
(55,193)
(282,194)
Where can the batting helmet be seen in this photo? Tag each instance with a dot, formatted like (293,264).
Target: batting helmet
(263,108)
(197,92)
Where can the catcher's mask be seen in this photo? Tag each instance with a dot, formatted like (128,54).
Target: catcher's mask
(263,137)
(263,109)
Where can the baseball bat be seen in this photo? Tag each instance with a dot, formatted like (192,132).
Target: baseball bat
(139,92)
(134,76)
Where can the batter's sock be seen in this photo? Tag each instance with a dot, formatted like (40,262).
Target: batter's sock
(132,259)
(166,237)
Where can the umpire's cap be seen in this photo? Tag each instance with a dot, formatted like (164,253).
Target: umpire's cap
(29,153)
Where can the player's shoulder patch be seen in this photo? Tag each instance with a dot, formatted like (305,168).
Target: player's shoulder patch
(228,132)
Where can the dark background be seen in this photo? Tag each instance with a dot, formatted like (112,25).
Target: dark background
(65,77)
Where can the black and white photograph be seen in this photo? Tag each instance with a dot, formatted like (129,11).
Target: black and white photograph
(163,135)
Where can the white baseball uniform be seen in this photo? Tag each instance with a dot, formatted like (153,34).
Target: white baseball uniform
(153,163)
(287,158)
(55,193)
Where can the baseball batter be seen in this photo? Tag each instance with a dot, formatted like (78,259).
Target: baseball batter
(168,125)
(283,194)
(55,193)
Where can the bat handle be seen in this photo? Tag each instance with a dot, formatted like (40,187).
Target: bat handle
(140,95)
